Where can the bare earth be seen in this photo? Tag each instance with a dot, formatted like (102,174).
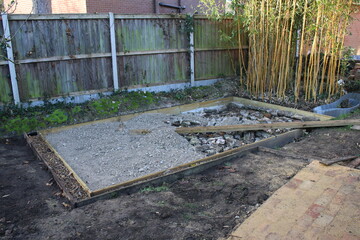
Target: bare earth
(204,206)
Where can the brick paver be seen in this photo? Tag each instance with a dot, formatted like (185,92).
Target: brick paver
(320,202)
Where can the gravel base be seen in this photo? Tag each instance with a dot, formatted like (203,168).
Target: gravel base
(104,154)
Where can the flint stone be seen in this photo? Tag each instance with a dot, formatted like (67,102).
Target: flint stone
(195,141)
(235,105)
(262,134)
(249,137)
(247,121)
(202,148)
(210,152)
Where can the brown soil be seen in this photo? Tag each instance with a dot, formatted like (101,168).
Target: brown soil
(204,206)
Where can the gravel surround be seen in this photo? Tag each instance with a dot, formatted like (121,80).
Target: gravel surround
(108,153)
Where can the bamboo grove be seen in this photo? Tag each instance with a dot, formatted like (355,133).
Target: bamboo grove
(293,45)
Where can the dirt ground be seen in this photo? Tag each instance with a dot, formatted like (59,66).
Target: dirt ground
(204,206)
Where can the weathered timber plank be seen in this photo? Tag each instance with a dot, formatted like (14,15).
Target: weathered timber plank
(59,182)
(24,17)
(21,17)
(282,125)
(329,162)
(74,174)
(290,155)
(264,105)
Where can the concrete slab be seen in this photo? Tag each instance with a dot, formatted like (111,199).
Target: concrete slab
(320,202)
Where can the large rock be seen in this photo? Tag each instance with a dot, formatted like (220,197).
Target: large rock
(249,137)
(195,141)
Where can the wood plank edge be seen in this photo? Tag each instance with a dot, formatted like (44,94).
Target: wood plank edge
(67,166)
(58,181)
(202,164)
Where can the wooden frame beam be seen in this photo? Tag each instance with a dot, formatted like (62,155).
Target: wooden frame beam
(265,126)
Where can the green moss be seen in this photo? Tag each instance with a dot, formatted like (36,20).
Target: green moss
(105,106)
(57,117)
(162,188)
(33,86)
(16,119)
(5,90)
(19,125)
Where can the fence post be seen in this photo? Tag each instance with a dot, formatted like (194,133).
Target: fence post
(113,51)
(10,58)
(192,59)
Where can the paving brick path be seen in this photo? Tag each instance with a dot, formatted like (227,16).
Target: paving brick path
(320,202)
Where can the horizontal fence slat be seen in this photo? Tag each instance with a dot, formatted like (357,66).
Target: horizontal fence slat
(25,17)
(102,55)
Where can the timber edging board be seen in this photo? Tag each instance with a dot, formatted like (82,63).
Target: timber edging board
(264,126)
(178,171)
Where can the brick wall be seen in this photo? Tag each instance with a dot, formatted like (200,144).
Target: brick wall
(140,6)
(21,6)
(353,39)
(104,6)
(47,6)
(66,6)
(42,6)
(121,6)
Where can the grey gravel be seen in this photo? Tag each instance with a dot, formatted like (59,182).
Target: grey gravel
(104,154)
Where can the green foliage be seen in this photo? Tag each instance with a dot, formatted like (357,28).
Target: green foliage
(16,119)
(57,117)
(347,54)
(137,99)
(105,106)
(348,115)
(162,188)
(189,24)
(214,9)
(75,110)
(20,125)
(197,92)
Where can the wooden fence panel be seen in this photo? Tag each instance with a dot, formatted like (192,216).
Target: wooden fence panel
(214,56)
(158,36)
(62,55)
(34,39)
(150,34)
(216,64)
(155,69)
(212,34)
(5,85)
(39,39)
(62,78)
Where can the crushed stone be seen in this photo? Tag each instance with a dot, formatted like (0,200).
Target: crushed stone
(104,154)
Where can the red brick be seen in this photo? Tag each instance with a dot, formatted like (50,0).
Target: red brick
(349,236)
(304,222)
(314,210)
(352,40)
(294,183)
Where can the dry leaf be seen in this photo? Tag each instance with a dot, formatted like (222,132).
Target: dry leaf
(66,205)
